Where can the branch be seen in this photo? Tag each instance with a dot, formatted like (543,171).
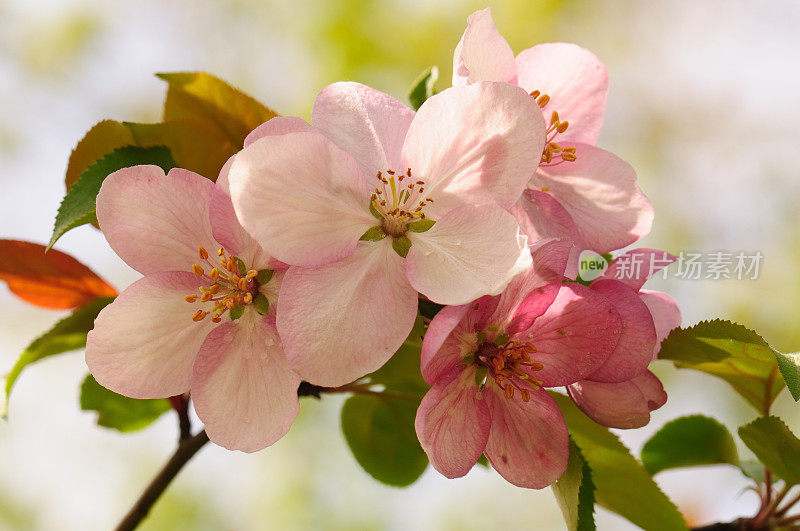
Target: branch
(185,451)
(736,525)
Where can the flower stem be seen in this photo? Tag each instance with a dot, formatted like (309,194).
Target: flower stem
(186,449)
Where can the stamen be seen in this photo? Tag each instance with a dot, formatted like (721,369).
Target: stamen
(197,270)
(203,253)
(190,298)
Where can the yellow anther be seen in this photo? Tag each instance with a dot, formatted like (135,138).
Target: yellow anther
(190,298)
(248,298)
(206,297)
(199,315)
(214,275)
(242,284)
(543,101)
(197,270)
(554,117)
(525,395)
(203,253)
(214,288)
(216,319)
(568,156)
(220,251)
(562,127)
(251,275)
(535,94)
(509,391)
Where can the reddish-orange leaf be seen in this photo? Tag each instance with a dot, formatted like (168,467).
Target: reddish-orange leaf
(53,280)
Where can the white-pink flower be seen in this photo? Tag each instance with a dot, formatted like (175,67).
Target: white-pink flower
(374,204)
(596,188)
(191,323)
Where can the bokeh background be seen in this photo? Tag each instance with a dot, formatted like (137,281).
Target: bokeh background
(703,103)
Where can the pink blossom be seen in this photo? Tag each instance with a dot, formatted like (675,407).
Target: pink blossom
(596,188)
(374,204)
(623,392)
(490,361)
(175,330)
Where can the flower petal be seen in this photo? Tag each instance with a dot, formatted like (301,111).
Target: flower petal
(600,193)
(530,293)
(342,321)
(665,312)
(635,267)
(242,387)
(576,81)
(441,349)
(483,54)
(624,405)
(528,442)
(453,424)
(475,144)
(144,343)
(470,252)
(574,337)
(634,351)
(280,125)
(303,199)
(156,222)
(364,122)
(540,216)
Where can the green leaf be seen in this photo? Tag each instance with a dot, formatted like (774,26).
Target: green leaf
(422,88)
(201,97)
(66,335)
(775,446)
(753,469)
(120,412)
(401,373)
(428,309)
(622,485)
(689,441)
(729,351)
(373,234)
(789,364)
(401,245)
(380,433)
(574,492)
(78,206)
(421,225)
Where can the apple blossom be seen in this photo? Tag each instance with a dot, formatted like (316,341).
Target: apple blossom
(623,392)
(569,84)
(202,317)
(375,203)
(490,361)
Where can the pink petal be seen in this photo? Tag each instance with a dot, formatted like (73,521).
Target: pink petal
(475,144)
(575,80)
(483,54)
(364,122)
(540,216)
(470,252)
(280,125)
(665,312)
(342,321)
(624,405)
(528,442)
(530,293)
(144,343)
(600,193)
(635,267)
(227,230)
(453,424)
(303,199)
(242,388)
(156,222)
(634,351)
(441,350)
(574,337)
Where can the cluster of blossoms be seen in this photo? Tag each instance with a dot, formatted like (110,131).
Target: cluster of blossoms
(308,256)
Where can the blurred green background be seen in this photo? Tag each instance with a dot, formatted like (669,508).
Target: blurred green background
(703,103)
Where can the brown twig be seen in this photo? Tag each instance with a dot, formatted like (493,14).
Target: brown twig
(185,451)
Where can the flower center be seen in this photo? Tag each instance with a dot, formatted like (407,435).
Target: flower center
(509,365)
(397,203)
(232,289)
(552,151)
